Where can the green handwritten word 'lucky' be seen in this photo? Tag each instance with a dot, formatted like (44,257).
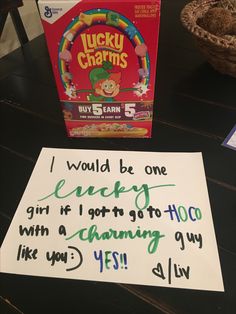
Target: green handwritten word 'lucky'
(90,234)
(142,198)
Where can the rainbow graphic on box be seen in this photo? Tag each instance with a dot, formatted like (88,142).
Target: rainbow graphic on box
(99,17)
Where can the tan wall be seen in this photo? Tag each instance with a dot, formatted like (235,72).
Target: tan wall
(30,17)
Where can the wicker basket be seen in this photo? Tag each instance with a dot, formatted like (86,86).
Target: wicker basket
(220,52)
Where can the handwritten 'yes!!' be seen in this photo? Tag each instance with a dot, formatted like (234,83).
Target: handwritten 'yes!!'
(142,198)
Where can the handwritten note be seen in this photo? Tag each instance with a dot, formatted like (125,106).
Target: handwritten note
(130,217)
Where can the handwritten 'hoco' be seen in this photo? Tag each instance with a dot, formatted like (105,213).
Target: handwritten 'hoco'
(142,198)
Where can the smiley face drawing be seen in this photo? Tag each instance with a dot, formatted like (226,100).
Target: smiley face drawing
(75,251)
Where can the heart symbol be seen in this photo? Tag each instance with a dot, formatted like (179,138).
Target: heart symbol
(158,271)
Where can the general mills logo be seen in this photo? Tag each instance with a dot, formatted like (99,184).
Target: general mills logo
(48,12)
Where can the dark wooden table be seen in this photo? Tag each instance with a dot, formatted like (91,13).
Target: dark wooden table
(196,109)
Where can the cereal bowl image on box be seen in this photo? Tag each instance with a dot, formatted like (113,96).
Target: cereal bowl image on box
(104,60)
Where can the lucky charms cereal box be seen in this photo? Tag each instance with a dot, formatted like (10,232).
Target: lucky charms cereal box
(104,58)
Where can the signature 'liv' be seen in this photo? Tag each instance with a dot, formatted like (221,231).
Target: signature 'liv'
(142,195)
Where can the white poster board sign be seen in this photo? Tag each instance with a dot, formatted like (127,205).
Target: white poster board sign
(115,216)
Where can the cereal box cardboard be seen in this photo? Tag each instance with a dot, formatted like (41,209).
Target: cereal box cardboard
(104,57)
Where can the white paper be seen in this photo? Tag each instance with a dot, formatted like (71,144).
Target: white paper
(155,228)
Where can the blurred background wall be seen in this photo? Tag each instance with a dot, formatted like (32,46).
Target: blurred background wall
(31,20)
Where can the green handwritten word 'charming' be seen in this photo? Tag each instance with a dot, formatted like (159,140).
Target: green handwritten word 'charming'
(90,234)
(142,198)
